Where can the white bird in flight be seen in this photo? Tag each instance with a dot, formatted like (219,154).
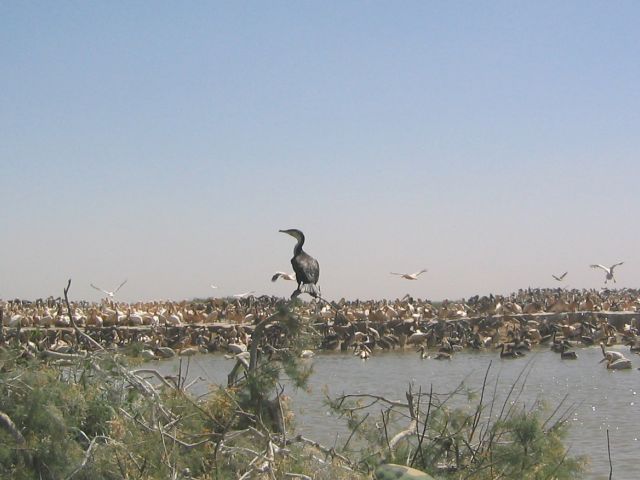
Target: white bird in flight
(609,271)
(283,276)
(410,276)
(244,295)
(213,286)
(107,293)
(561,277)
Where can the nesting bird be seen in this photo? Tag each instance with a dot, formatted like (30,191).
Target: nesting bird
(306,267)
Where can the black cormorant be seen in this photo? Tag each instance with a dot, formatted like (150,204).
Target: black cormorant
(305,266)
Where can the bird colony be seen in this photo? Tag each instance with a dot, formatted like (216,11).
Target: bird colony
(559,319)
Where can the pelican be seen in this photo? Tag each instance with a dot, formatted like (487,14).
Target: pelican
(410,276)
(620,364)
(610,355)
(609,271)
(442,356)
(362,351)
(509,353)
(561,277)
(107,293)
(305,266)
(283,276)
(567,354)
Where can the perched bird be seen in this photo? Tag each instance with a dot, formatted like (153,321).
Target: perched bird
(410,276)
(305,266)
(609,271)
(561,277)
(283,276)
(107,293)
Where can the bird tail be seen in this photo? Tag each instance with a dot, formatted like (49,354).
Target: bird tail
(310,288)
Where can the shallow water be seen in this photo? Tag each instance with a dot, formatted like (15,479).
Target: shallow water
(603,399)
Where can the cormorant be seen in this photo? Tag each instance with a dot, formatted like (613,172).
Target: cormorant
(305,266)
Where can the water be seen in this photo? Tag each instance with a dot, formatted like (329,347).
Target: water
(603,399)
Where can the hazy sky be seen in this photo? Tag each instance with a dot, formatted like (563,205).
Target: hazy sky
(494,143)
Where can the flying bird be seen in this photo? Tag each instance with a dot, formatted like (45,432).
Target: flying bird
(561,277)
(213,286)
(609,275)
(244,295)
(107,293)
(284,276)
(410,276)
(306,267)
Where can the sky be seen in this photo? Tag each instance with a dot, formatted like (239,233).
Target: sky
(494,143)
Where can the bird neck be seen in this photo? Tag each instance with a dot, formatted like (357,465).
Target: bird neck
(298,248)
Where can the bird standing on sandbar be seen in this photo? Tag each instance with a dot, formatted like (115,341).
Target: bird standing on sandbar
(609,271)
(306,267)
(410,276)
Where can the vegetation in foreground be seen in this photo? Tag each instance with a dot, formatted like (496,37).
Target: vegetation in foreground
(96,416)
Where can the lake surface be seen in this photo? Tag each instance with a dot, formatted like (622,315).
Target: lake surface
(604,399)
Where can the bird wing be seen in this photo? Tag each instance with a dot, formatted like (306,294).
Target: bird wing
(120,286)
(242,295)
(600,266)
(615,265)
(277,275)
(100,289)
(394,273)
(213,286)
(306,268)
(560,277)
(419,273)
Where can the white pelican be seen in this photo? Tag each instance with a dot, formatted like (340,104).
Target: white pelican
(609,271)
(107,293)
(561,277)
(410,276)
(283,276)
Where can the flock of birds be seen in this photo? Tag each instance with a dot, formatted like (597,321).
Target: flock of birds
(436,331)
